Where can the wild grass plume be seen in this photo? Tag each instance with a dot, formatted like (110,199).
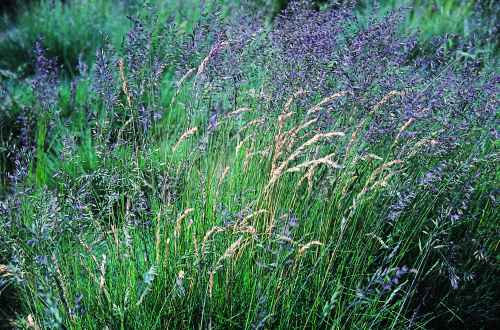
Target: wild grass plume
(248,165)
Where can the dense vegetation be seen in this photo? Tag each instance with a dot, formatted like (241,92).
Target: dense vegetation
(256,165)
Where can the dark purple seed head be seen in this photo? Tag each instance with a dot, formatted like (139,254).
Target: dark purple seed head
(46,80)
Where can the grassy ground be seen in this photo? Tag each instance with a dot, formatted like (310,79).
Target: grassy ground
(164,173)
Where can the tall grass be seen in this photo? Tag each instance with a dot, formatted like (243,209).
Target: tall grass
(190,179)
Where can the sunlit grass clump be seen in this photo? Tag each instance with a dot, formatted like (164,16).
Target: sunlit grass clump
(231,173)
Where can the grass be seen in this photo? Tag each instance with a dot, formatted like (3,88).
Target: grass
(257,219)
(69,35)
(66,30)
(471,19)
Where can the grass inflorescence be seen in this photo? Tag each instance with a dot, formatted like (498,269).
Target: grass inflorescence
(201,165)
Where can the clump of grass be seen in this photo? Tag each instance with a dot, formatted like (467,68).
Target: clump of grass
(208,186)
(70,30)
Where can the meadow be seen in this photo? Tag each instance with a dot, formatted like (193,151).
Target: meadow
(249,164)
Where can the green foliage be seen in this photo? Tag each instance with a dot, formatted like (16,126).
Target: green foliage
(473,20)
(255,219)
(70,29)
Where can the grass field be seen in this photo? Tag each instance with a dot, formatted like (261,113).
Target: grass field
(227,165)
